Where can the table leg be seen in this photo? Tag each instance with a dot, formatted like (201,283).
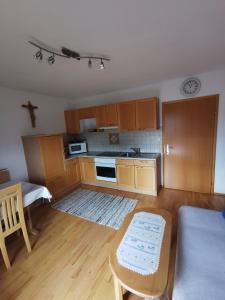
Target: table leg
(118,289)
(31,229)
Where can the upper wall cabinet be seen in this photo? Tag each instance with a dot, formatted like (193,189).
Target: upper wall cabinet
(112,115)
(147,114)
(106,115)
(87,113)
(127,116)
(72,121)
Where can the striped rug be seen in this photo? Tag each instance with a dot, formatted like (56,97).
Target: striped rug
(105,209)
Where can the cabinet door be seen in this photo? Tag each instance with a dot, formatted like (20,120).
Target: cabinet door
(87,113)
(72,121)
(72,172)
(111,115)
(125,175)
(52,151)
(57,185)
(101,116)
(147,114)
(88,172)
(145,178)
(126,115)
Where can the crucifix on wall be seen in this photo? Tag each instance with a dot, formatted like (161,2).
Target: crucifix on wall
(31,109)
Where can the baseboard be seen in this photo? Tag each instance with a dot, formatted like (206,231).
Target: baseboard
(120,188)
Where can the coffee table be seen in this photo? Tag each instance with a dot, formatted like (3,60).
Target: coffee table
(150,286)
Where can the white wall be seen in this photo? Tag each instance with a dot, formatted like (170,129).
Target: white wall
(15,122)
(212,83)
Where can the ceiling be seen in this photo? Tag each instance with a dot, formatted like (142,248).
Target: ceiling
(148,41)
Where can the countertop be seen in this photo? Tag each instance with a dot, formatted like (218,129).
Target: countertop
(147,156)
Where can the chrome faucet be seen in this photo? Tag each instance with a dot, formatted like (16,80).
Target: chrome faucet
(136,150)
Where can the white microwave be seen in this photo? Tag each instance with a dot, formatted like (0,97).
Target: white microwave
(77,148)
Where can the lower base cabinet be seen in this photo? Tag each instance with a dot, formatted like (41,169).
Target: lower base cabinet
(87,168)
(67,181)
(145,178)
(138,175)
(125,175)
(72,172)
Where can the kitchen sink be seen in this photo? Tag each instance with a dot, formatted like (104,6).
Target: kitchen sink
(129,154)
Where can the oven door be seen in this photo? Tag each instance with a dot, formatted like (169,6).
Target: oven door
(106,172)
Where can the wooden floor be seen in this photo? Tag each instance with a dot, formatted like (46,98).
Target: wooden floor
(69,259)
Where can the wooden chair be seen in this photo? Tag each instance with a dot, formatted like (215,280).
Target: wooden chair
(11,202)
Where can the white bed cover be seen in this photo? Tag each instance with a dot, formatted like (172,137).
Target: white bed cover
(200,265)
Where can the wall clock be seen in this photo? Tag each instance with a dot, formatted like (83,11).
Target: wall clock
(190,86)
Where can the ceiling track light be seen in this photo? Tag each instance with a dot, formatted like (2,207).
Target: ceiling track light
(38,55)
(67,53)
(51,59)
(102,66)
(89,63)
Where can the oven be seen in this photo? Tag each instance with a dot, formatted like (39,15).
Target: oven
(105,169)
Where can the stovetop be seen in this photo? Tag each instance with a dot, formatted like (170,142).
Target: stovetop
(110,154)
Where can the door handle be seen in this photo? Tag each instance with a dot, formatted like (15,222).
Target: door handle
(167,149)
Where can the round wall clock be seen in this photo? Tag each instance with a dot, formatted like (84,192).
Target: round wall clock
(190,86)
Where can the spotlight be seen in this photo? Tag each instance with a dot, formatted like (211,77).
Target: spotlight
(102,66)
(89,63)
(39,56)
(51,59)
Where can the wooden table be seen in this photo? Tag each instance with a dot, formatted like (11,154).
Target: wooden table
(31,193)
(150,286)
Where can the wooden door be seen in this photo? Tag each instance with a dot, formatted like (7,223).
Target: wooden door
(52,151)
(72,121)
(126,116)
(111,115)
(147,114)
(189,130)
(125,175)
(145,178)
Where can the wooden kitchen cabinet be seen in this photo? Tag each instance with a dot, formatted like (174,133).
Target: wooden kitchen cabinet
(145,178)
(127,116)
(147,116)
(57,185)
(125,173)
(52,151)
(47,166)
(87,113)
(72,172)
(101,116)
(87,168)
(142,114)
(72,121)
(111,115)
(106,115)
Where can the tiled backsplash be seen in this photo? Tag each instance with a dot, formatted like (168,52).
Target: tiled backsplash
(147,141)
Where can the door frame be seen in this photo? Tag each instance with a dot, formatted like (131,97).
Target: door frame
(215,133)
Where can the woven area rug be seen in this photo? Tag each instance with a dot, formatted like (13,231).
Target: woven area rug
(105,209)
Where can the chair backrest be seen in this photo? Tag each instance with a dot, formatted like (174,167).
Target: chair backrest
(4,175)
(11,202)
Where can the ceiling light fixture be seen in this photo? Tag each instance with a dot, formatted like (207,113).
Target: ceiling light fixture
(38,55)
(66,53)
(89,63)
(102,66)
(51,59)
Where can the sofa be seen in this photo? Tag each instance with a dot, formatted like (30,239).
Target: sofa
(200,260)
